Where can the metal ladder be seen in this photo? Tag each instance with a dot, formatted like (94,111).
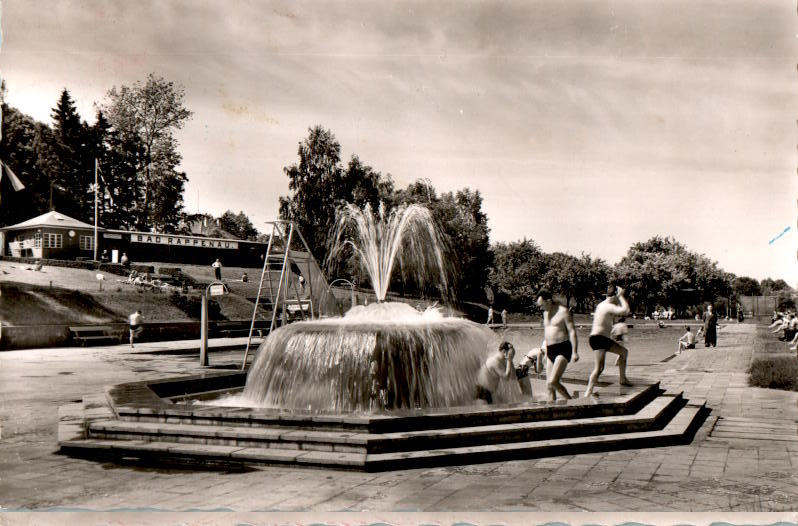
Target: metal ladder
(279,294)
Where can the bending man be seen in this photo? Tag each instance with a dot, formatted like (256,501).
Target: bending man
(600,336)
(498,365)
(561,342)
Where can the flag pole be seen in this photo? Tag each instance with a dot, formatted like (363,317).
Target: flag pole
(95,209)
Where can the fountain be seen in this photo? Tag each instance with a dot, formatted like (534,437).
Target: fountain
(383,387)
(385,355)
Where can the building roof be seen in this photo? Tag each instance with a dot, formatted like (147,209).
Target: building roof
(51,219)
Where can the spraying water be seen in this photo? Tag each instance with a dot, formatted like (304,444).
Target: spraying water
(383,356)
(407,235)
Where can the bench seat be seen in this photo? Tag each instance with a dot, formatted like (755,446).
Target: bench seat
(93,333)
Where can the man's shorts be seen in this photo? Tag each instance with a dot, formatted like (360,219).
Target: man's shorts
(598,341)
(559,349)
(483,394)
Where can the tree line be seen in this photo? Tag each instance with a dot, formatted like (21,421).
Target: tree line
(132,142)
(659,272)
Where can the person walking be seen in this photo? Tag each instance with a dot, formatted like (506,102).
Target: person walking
(710,327)
(498,365)
(490,316)
(561,342)
(217,269)
(601,337)
(135,326)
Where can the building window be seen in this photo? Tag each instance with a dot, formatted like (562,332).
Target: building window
(53,241)
(86,242)
(37,240)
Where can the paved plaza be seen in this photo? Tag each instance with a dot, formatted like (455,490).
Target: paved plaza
(743,459)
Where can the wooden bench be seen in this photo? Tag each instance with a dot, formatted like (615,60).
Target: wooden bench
(94,333)
(236,329)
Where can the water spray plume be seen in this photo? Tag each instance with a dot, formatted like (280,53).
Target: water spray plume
(406,235)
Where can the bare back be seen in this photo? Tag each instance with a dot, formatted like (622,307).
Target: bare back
(602,318)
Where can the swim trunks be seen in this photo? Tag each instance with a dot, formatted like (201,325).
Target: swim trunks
(484,394)
(559,349)
(598,341)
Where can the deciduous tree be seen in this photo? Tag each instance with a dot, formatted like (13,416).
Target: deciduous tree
(151,112)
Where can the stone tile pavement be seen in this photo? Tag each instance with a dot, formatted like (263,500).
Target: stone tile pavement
(712,474)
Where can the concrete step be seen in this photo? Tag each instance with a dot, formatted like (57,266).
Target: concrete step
(651,417)
(679,430)
(612,404)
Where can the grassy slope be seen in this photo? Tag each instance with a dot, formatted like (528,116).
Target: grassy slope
(27,298)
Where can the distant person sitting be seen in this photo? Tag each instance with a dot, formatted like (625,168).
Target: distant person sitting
(104,257)
(687,341)
(133,275)
(792,328)
(780,326)
(498,365)
(244,277)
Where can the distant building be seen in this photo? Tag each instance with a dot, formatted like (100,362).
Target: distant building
(51,235)
(56,236)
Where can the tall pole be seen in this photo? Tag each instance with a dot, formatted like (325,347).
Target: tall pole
(96,188)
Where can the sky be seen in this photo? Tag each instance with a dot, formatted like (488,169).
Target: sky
(586,126)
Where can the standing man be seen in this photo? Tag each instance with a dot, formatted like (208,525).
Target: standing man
(498,365)
(561,342)
(490,316)
(710,327)
(504,318)
(601,336)
(135,326)
(217,269)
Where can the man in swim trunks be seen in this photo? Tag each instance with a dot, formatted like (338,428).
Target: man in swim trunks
(561,342)
(135,326)
(600,336)
(498,365)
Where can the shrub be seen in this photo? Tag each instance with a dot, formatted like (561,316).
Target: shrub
(776,372)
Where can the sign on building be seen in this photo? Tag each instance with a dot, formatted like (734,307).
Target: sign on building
(183,241)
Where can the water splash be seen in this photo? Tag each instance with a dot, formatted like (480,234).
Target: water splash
(406,235)
(384,356)
(378,357)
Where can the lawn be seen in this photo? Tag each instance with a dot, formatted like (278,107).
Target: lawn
(59,295)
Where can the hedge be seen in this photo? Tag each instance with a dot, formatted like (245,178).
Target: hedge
(774,372)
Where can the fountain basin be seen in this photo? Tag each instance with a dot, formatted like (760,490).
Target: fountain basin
(378,358)
(150,422)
